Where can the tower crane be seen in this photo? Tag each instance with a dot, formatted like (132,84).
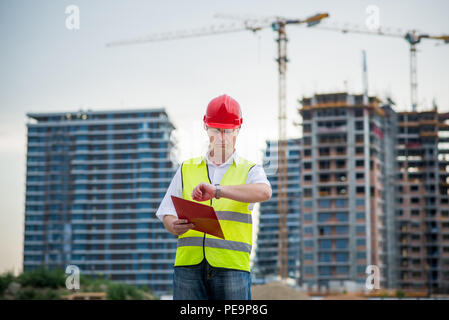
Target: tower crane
(412,37)
(278,25)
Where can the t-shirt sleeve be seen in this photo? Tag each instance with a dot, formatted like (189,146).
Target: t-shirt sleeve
(174,189)
(257,175)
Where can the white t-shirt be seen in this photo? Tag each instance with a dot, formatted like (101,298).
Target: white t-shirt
(216,173)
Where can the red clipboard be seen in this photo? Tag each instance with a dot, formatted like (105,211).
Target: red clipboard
(203,216)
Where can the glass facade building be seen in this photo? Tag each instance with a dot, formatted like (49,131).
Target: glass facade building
(94,182)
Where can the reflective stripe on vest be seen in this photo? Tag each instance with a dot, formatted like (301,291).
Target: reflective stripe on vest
(214,243)
(234,216)
(235,220)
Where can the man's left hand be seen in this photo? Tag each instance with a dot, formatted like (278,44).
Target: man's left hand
(203,192)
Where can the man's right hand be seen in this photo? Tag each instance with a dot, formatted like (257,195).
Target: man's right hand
(177,226)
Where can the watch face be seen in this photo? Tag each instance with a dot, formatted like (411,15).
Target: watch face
(217,192)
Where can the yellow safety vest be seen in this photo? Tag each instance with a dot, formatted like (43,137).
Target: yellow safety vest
(234,216)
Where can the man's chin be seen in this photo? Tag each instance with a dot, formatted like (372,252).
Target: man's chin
(224,150)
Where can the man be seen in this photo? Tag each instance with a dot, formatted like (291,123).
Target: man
(207,267)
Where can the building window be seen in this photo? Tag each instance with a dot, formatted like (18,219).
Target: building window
(324,203)
(342,256)
(341,216)
(360,229)
(308,270)
(325,244)
(360,189)
(307,115)
(340,150)
(341,203)
(359,163)
(308,230)
(308,256)
(324,151)
(325,271)
(307,127)
(325,230)
(324,216)
(307,141)
(307,192)
(308,217)
(342,243)
(325,257)
(360,215)
(341,229)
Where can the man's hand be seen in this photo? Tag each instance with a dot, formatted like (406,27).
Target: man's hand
(177,226)
(203,192)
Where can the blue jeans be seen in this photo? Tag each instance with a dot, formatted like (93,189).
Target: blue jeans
(204,282)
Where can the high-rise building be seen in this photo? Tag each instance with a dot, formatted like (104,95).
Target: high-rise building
(422,207)
(346,189)
(94,182)
(266,265)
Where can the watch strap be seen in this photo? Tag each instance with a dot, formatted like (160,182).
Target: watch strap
(217,191)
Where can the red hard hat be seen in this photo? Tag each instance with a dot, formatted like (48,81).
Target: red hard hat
(223,112)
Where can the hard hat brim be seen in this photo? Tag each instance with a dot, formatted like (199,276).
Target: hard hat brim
(222,125)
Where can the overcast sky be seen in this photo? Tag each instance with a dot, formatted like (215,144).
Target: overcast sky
(46,67)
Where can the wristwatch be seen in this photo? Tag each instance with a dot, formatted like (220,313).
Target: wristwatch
(217,191)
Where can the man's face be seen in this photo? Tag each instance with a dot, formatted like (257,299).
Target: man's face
(222,139)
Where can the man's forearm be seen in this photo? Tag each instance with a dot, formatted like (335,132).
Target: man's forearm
(250,193)
(167,221)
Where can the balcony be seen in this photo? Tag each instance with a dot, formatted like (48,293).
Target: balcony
(338,129)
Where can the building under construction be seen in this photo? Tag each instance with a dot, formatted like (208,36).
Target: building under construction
(344,182)
(374,187)
(422,206)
